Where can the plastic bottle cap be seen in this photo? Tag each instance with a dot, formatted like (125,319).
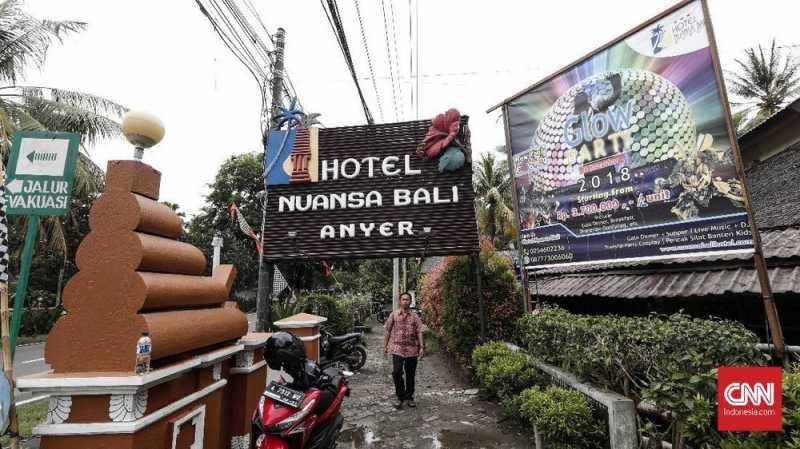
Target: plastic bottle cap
(145,334)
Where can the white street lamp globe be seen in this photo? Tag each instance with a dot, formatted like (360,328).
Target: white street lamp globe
(143,130)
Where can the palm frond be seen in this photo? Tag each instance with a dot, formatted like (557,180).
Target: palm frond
(59,116)
(53,230)
(25,40)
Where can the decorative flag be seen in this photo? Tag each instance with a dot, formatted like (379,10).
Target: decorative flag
(3,234)
(236,215)
(279,283)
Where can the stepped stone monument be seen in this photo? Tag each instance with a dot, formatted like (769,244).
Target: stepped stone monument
(135,276)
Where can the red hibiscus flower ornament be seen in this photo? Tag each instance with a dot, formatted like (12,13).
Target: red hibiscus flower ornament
(443,131)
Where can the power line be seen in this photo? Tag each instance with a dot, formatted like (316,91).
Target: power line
(389,56)
(411,53)
(335,20)
(397,59)
(369,61)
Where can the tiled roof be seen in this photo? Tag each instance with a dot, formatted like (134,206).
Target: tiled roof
(667,285)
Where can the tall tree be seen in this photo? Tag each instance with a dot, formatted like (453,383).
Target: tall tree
(764,82)
(24,43)
(493,193)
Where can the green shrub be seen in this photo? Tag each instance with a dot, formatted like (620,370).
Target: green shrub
(669,360)
(487,352)
(562,416)
(39,321)
(503,373)
(323,304)
(451,307)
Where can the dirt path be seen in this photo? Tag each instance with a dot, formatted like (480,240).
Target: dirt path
(449,413)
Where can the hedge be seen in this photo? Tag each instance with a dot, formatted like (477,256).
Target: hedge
(669,360)
(449,301)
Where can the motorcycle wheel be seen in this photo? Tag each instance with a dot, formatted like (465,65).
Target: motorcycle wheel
(357,358)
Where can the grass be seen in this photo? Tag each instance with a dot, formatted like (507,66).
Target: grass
(28,339)
(30,415)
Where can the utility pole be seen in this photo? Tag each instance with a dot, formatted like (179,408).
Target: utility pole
(395,283)
(267,271)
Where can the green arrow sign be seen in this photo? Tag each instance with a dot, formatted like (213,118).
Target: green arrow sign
(40,173)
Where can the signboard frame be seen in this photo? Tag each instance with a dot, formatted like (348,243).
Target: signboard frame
(291,235)
(773,321)
(68,173)
(587,257)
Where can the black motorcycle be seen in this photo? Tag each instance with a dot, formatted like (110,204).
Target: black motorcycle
(349,350)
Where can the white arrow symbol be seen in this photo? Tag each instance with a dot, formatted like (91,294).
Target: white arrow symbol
(14,186)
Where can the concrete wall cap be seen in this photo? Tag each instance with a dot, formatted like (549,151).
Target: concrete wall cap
(118,383)
(301,320)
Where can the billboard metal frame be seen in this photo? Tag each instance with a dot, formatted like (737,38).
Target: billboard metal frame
(774,326)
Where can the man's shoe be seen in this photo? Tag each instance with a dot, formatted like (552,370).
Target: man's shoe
(398,405)
(411,403)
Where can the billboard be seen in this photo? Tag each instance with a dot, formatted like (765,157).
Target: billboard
(364,192)
(627,155)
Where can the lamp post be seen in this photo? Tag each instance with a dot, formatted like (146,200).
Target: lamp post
(143,130)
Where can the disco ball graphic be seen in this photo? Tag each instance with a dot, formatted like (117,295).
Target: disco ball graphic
(661,123)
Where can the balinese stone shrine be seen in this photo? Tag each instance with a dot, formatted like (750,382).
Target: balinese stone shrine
(135,276)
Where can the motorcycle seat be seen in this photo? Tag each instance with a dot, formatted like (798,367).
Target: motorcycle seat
(345,337)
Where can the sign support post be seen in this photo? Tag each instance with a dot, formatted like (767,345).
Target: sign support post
(265,272)
(41,169)
(22,283)
(770,309)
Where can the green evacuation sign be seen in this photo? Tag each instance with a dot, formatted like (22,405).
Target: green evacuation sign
(40,173)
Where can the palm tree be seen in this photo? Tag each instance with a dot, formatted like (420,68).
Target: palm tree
(765,82)
(24,42)
(493,195)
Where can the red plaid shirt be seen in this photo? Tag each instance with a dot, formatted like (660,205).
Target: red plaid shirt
(403,329)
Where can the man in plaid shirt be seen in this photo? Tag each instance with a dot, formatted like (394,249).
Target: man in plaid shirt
(403,340)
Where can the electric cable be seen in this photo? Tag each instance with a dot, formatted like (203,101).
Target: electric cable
(397,60)
(389,56)
(369,61)
(334,19)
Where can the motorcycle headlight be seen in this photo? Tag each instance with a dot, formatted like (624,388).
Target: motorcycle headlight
(291,421)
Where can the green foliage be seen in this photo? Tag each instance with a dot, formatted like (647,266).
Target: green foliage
(669,360)
(493,196)
(502,372)
(319,303)
(487,352)
(764,82)
(562,416)
(451,309)
(39,321)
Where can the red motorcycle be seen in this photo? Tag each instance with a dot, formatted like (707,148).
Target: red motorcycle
(303,413)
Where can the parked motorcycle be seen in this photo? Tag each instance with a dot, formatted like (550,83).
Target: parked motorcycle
(348,349)
(303,413)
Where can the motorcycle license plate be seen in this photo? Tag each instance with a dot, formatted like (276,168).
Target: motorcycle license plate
(285,395)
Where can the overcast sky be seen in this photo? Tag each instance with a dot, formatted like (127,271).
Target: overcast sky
(163,56)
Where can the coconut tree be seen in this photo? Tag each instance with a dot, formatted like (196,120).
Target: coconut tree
(24,43)
(493,195)
(764,82)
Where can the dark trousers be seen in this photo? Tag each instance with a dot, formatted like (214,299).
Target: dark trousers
(407,366)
